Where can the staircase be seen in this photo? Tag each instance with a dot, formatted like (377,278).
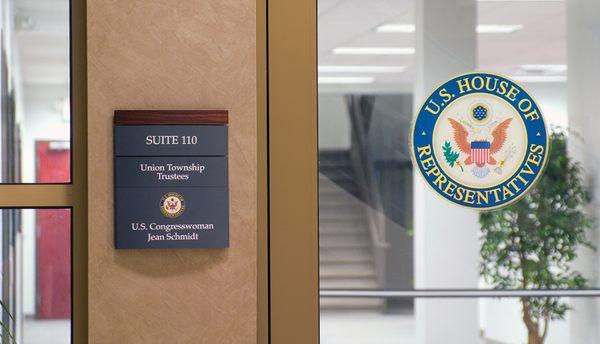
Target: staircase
(345,254)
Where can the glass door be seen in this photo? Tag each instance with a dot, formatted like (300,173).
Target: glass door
(397,263)
(43,172)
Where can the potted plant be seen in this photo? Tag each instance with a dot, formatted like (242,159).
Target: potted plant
(532,243)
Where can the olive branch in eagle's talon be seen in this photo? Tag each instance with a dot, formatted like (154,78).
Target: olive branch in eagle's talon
(451,156)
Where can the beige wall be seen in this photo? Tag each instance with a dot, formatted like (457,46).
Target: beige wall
(172,54)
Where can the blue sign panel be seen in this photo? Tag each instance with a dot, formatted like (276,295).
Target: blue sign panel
(170,140)
(171,186)
(170,171)
(171,217)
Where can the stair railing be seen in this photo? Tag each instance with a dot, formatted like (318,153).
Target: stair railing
(368,186)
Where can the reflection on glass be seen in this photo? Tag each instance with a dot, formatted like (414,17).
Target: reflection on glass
(36,275)
(451,321)
(365,187)
(379,228)
(35,103)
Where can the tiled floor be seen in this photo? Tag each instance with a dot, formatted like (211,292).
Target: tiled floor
(46,331)
(366,328)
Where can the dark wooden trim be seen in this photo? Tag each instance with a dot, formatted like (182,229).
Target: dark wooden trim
(132,117)
(78,198)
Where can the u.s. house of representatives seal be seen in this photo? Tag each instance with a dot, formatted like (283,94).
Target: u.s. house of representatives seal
(172,205)
(480,141)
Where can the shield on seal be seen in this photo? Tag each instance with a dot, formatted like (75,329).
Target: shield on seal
(480,152)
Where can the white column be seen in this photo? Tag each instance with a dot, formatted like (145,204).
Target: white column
(445,242)
(583,57)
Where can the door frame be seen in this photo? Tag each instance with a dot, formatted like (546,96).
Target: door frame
(72,195)
(288,172)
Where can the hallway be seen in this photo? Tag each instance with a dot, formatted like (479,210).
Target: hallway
(38,331)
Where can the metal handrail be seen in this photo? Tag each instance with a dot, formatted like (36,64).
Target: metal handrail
(456,293)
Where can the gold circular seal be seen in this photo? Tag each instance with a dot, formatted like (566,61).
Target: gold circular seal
(172,205)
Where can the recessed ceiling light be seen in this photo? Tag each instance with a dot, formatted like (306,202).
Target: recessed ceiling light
(361,69)
(539,78)
(345,80)
(498,28)
(547,68)
(404,28)
(373,51)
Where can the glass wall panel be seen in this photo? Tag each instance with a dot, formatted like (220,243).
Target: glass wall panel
(36,275)
(369,235)
(381,228)
(35,111)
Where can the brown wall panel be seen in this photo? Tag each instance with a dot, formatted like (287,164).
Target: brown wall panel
(173,54)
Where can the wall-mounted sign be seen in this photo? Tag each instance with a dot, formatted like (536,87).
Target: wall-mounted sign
(171,180)
(480,141)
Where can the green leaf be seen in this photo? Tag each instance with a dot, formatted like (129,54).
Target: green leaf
(450,155)
(7,331)
(6,310)
(3,325)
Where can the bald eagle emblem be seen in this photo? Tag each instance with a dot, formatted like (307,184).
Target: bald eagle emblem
(480,144)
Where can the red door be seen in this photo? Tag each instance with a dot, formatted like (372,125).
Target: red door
(53,236)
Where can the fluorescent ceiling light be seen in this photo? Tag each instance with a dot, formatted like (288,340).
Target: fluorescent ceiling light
(404,28)
(483,28)
(548,68)
(539,78)
(497,28)
(373,51)
(361,69)
(345,80)
(521,0)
